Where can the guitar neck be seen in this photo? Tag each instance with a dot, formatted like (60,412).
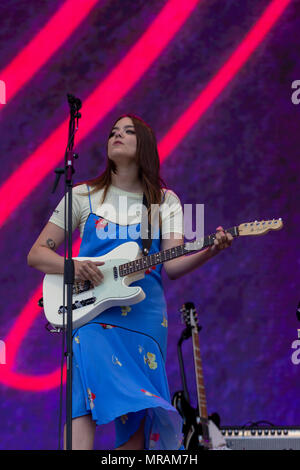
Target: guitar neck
(202,405)
(171,253)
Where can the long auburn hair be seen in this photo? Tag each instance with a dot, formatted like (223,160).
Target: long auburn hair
(148,165)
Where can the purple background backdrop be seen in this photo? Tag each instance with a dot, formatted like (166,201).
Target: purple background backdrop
(241,160)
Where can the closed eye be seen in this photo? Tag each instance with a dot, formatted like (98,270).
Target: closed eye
(112,133)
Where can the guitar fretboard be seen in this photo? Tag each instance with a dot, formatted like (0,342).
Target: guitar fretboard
(199,375)
(171,253)
(190,317)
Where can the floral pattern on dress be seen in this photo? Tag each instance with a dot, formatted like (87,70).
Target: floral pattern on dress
(100,223)
(150,360)
(154,437)
(124,418)
(116,361)
(165,321)
(91,397)
(107,327)
(124,310)
(148,394)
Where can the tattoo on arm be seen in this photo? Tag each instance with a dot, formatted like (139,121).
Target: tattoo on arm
(51,244)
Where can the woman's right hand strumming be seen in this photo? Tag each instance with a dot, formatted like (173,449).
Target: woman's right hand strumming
(88,270)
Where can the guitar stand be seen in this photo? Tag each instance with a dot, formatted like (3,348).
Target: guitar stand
(181,400)
(186,334)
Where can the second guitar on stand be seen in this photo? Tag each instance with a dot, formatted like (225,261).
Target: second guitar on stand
(200,430)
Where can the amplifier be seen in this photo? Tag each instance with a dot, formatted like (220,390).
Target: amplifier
(261,438)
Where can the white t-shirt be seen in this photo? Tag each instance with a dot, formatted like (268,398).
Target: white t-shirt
(121,207)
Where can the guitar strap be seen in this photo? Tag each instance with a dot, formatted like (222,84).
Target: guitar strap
(146,229)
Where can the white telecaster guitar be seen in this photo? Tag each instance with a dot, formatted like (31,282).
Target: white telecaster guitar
(123,266)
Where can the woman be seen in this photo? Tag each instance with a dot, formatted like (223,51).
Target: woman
(119,357)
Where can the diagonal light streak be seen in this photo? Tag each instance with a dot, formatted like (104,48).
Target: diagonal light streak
(213,89)
(39,50)
(119,82)
(226,74)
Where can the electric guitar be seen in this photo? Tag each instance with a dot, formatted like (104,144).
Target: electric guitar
(200,430)
(123,266)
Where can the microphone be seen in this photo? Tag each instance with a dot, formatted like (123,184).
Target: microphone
(74,102)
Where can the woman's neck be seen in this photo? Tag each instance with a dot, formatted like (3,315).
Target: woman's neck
(127,179)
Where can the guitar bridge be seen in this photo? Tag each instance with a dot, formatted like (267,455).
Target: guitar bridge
(82,286)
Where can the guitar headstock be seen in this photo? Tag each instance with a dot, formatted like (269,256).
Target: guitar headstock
(189,314)
(260,227)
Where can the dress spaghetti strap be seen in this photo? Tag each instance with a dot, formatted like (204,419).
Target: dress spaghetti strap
(88,188)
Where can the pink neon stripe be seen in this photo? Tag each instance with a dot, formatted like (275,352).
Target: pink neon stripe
(52,380)
(35,383)
(100,102)
(51,37)
(187,120)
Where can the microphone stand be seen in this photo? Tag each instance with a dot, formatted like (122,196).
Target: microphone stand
(68,170)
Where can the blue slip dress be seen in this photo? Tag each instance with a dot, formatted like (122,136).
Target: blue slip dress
(119,356)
